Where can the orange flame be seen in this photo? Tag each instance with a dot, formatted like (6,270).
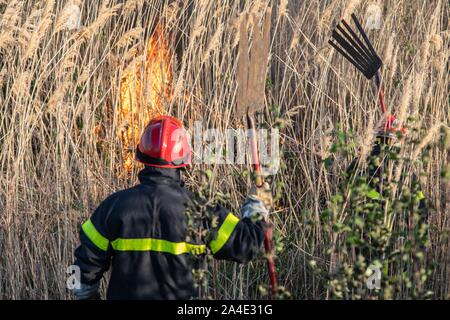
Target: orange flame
(142,96)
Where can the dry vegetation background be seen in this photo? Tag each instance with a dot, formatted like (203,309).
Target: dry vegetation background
(59,97)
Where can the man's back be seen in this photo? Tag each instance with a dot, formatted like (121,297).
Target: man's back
(146,230)
(142,233)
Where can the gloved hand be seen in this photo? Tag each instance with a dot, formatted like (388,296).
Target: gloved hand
(389,127)
(258,202)
(87,292)
(262,193)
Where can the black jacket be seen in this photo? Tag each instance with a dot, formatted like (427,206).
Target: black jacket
(141,232)
(377,162)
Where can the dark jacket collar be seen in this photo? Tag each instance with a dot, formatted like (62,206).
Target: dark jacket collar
(160,175)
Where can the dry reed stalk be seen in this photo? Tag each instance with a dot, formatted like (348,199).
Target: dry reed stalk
(421,75)
(41,29)
(350,8)
(171,13)
(282,8)
(404,102)
(128,38)
(324,22)
(257,7)
(131,6)
(369,138)
(11,15)
(436,42)
(394,63)
(199,25)
(9,22)
(106,12)
(3,73)
(22,83)
(57,96)
(213,43)
(429,137)
(389,51)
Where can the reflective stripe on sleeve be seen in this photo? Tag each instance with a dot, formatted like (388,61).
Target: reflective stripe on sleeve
(96,237)
(420,196)
(224,232)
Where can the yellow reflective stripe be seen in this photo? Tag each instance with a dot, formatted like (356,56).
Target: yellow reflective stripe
(91,232)
(158,245)
(224,233)
(420,196)
(374,195)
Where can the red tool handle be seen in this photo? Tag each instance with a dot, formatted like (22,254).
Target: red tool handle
(380,91)
(270,262)
(390,118)
(259,180)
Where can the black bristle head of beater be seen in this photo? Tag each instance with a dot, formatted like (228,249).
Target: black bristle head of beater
(357,49)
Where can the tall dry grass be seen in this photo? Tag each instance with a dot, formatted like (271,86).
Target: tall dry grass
(60,152)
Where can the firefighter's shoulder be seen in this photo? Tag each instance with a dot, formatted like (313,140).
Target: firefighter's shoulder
(123,201)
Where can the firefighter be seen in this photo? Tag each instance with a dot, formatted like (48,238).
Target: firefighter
(388,135)
(141,232)
(388,132)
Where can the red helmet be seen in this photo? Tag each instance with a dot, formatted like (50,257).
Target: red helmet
(164,144)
